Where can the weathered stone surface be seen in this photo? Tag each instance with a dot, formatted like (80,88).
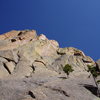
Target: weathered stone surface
(3,60)
(71,51)
(10,55)
(3,71)
(31,68)
(10,66)
(98,63)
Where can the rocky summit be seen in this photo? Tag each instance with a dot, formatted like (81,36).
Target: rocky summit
(31,68)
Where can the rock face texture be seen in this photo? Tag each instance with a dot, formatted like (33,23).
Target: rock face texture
(98,64)
(31,68)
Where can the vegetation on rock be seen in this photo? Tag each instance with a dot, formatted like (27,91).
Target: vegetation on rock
(94,72)
(67,69)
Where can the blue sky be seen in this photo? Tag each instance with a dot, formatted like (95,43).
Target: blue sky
(74,23)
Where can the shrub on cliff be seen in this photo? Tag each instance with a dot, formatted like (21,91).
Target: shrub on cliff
(67,69)
(94,72)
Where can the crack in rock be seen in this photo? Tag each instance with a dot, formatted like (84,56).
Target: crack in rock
(31,94)
(58,90)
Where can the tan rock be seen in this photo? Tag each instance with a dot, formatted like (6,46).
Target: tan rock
(42,37)
(3,71)
(16,38)
(27,35)
(9,35)
(11,66)
(70,51)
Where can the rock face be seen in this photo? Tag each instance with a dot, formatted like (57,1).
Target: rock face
(31,68)
(98,64)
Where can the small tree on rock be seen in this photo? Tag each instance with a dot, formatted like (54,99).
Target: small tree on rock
(67,69)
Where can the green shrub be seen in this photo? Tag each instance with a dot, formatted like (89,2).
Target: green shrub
(94,72)
(67,69)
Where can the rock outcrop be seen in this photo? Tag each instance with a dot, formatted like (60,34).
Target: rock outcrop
(31,68)
(98,64)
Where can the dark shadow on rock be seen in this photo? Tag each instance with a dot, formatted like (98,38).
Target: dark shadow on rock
(63,77)
(31,94)
(91,88)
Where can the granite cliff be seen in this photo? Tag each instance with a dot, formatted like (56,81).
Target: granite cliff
(31,68)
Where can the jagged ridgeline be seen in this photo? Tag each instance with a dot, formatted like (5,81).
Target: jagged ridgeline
(32,68)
